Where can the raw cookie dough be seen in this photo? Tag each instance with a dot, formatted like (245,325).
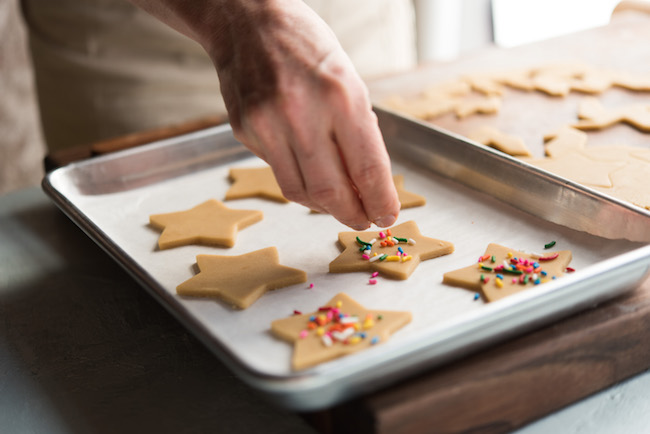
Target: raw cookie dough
(593,116)
(387,259)
(564,140)
(254,182)
(523,271)
(210,223)
(240,280)
(323,335)
(494,138)
(407,199)
(579,167)
(450,97)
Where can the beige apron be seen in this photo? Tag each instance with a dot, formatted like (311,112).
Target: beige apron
(104,68)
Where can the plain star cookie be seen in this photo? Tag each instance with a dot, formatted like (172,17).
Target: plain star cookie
(339,328)
(254,182)
(394,252)
(406,198)
(502,271)
(210,223)
(240,280)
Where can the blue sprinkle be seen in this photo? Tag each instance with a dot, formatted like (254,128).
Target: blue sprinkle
(537,282)
(312,318)
(500,276)
(477,296)
(374,340)
(400,250)
(544,273)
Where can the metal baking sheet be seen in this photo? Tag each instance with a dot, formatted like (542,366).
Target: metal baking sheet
(111,198)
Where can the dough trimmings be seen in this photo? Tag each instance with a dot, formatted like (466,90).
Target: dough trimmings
(340,327)
(254,182)
(594,116)
(502,271)
(209,223)
(240,280)
(495,138)
(394,252)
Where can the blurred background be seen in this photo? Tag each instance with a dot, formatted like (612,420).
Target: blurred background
(446,29)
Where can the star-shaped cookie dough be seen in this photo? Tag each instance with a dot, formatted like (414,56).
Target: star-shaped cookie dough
(497,139)
(380,251)
(339,328)
(254,182)
(210,223)
(240,280)
(502,271)
(407,199)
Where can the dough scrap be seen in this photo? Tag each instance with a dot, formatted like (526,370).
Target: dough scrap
(593,116)
(394,266)
(254,182)
(449,97)
(240,280)
(312,348)
(493,137)
(470,277)
(579,167)
(209,223)
(566,139)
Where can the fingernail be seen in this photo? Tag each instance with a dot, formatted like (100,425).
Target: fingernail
(360,227)
(386,220)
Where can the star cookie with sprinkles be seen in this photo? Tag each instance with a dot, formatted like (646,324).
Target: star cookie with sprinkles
(339,328)
(209,223)
(240,280)
(254,182)
(394,252)
(502,271)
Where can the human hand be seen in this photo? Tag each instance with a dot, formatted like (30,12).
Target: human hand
(295,99)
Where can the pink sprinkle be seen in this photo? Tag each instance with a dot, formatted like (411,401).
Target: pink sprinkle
(364,256)
(311,286)
(372,281)
(330,314)
(375,274)
(303,334)
(382,235)
(514,280)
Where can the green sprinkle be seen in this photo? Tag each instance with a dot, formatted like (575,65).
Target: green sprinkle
(526,279)
(382,257)
(511,271)
(363,243)
(549,245)
(483,267)
(493,259)
(401,240)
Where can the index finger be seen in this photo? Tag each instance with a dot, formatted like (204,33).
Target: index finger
(368,164)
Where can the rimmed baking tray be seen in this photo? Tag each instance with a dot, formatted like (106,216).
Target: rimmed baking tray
(475,196)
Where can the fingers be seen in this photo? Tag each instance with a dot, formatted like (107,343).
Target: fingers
(366,158)
(325,177)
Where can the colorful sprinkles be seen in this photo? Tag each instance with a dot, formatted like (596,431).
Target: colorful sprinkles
(336,327)
(522,271)
(386,240)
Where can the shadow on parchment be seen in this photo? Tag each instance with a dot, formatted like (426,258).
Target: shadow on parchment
(110,358)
